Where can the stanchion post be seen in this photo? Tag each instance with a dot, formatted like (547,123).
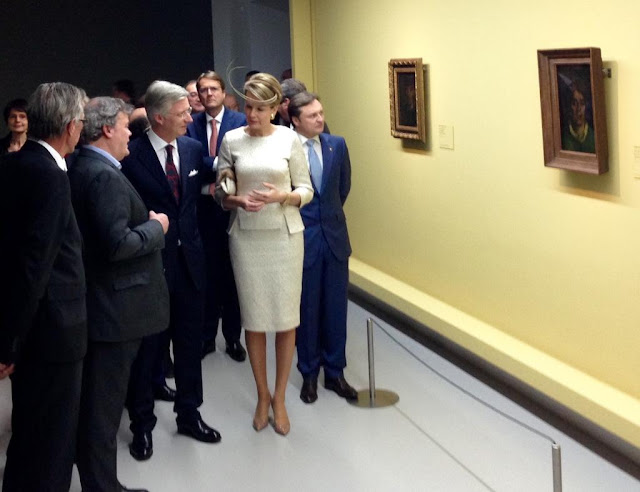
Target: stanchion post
(373,398)
(557,467)
(372,372)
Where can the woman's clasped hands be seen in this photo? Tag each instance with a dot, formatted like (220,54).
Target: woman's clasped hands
(257,199)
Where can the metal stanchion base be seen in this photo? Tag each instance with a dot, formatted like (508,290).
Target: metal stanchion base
(383,398)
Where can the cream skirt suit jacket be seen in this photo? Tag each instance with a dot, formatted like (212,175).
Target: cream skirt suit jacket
(267,247)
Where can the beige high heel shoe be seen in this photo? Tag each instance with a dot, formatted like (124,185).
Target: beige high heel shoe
(261,418)
(280,422)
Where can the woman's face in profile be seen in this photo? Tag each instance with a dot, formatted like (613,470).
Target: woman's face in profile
(258,115)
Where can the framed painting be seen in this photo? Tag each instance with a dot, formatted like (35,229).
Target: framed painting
(574,128)
(406,98)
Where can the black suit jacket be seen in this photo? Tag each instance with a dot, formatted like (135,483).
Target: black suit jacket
(127,296)
(145,172)
(43,305)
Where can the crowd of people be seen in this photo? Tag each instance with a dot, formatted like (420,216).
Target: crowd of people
(137,230)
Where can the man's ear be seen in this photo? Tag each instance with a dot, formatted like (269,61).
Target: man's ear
(296,121)
(71,126)
(107,131)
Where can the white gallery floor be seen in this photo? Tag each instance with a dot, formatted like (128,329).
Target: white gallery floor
(436,438)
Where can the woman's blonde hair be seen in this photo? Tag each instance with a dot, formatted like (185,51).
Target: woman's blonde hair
(263,88)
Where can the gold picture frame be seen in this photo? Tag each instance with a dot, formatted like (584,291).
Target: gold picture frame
(406,98)
(574,127)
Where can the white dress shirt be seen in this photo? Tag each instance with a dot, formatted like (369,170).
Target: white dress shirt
(316,146)
(160,146)
(218,120)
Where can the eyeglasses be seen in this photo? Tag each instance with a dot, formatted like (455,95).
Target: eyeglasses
(183,114)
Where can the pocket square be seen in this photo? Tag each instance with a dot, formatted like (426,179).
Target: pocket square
(193,172)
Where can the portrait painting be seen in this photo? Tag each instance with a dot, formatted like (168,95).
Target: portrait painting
(573,110)
(576,108)
(406,98)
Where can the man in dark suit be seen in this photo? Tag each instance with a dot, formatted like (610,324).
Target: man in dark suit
(43,320)
(164,167)
(127,296)
(322,334)
(221,298)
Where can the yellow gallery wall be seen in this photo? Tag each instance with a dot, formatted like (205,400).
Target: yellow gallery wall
(535,269)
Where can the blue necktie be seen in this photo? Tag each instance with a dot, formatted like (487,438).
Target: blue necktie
(314,166)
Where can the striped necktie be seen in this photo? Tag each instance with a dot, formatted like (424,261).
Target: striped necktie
(172,174)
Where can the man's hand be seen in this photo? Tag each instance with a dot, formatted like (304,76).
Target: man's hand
(6,370)
(162,218)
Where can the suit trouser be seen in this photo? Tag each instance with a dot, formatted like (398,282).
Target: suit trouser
(104,387)
(221,297)
(322,335)
(46,400)
(185,329)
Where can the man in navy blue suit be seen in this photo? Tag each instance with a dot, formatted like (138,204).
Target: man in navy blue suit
(164,167)
(322,335)
(221,298)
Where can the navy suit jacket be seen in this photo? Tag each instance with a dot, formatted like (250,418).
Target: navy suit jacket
(324,214)
(145,172)
(197,129)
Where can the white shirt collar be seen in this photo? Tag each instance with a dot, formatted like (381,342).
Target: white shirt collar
(159,144)
(303,139)
(62,164)
(218,117)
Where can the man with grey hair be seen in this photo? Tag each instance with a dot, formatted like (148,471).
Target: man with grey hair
(43,322)
(127,296)
(164,166)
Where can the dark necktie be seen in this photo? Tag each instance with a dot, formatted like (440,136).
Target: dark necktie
(172,174)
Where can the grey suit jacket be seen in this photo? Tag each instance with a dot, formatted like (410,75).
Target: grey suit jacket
(127,296)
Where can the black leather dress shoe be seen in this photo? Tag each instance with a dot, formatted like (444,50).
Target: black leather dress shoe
(236,351)
(309,391)
(208,348)
(164,393)
(197,429)
(341,387)
(141,448)
(125,489)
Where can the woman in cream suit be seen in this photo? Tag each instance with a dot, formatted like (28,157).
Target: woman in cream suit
(266,165)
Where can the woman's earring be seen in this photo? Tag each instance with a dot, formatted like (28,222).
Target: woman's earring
(273,116)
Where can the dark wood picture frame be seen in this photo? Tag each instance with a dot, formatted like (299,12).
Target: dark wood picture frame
(406,98)
(572,94)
